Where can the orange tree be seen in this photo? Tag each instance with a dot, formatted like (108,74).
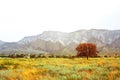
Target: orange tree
(86,49)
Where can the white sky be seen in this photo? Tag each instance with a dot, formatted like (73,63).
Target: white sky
(19,18)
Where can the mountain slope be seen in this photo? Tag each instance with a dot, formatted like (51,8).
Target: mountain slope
(1,42)
(53,41)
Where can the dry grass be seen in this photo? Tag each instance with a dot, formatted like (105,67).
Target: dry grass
(60,69)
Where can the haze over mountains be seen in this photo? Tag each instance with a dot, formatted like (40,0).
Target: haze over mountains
(107,41)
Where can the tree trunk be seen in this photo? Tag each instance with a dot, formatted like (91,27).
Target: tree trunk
(87,52)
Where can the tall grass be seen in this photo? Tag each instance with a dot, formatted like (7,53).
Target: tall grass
(60,69)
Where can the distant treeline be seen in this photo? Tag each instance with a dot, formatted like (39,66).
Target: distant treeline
(36,55)
(49,55)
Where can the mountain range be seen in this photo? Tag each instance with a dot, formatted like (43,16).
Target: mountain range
(107,41)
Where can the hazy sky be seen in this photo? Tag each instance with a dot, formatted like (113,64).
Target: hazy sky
(19,18)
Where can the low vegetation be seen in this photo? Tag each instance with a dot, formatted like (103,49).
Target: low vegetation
(59,69)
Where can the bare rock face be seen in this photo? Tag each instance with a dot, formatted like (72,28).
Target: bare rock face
(54,41)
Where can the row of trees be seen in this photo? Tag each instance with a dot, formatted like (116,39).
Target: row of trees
(43,55)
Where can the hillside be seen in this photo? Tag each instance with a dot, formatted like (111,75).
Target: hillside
(107,41)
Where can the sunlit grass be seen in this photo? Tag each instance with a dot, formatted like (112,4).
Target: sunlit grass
(60,69)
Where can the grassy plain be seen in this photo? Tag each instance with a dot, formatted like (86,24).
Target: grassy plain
(59,69)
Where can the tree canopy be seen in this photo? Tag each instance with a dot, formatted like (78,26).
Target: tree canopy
(86,49)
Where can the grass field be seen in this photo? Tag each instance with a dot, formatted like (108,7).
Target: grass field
(60,69)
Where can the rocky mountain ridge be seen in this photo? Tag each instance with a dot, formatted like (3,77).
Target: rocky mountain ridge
(54,41)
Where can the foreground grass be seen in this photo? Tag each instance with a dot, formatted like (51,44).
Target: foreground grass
(60,69)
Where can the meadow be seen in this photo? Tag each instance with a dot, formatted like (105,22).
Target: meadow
(59,69)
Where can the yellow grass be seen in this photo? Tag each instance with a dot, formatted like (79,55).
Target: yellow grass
(60,69)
